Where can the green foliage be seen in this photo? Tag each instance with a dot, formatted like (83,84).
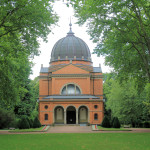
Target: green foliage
(146,95)
(36,123)
(35,111)
(22,23)
(105,122)
(121,30)
(112,121)
(146,124)
(116,123)
(125,101)
(24,124)
(30,121)
(28,101)
(7,117)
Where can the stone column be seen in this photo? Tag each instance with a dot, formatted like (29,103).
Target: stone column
(65,117)
(76,117)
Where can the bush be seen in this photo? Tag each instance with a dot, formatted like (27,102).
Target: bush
(6,118)
(105,122)
(116,123)
(24,124)
(30,121)
(146,124)
(36,123)
(112,121)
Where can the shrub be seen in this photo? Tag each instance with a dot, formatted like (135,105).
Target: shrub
(116,123)
(105,122)
(112,121)
(24,124)
(140,125)
(36,123)
(6,118)
(30,122)
(146,124)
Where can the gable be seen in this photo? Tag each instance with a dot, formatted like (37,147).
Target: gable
(71,69)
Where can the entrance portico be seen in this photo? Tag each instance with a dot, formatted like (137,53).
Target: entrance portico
(70,115)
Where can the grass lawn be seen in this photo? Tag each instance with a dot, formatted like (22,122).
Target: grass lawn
(76,141)
(112,129)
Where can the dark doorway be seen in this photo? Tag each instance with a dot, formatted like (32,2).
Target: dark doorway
(71,117)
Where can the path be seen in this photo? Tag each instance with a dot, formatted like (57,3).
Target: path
(77,129)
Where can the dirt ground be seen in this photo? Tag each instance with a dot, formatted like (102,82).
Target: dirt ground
(77,129)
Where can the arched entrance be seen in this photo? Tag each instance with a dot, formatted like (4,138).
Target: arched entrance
(83,114)
(71,115)
(59,115)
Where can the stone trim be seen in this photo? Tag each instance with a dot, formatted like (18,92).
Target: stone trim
(43,77)
(68,75)
(96,76)
(70,100)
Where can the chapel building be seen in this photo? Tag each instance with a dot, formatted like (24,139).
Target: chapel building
(70,89)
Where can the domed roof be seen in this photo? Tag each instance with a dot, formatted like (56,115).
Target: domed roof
(70,48)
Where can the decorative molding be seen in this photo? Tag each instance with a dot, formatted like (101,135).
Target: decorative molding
(70,100)
(69,75)
(96,76)
(43,77)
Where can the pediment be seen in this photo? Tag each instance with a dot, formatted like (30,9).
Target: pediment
(71,69)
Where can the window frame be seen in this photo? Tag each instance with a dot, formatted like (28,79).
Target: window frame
(95,116)
(77,90)
(45,117)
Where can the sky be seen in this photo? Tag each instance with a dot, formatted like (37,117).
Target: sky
(61,31)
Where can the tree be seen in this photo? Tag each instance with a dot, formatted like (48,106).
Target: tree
(6,118)
(24,124)
(22,24)
(146,95)
(125,102)
(121,30)
(116,123)
(36,123)
(105,122)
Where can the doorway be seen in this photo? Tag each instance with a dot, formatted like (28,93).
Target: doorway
(71,115)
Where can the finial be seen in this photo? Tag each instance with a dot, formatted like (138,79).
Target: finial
(70,32)
(70,25)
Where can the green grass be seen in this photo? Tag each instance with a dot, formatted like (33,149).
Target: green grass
(112,129)
(27,130)
(76,141)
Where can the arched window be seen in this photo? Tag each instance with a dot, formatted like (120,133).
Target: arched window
(46,116)
(95,116)
(70,89)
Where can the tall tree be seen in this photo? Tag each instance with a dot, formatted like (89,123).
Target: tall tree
(125,101)
(22,24)
(121,29)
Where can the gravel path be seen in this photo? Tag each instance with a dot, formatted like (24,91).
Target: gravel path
(77,129)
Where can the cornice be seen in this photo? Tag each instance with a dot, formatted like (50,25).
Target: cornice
(71,100)
(71,76)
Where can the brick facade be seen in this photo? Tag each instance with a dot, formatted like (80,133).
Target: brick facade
(70,92)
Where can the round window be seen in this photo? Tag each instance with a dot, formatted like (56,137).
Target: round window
(46,106)
(95,106)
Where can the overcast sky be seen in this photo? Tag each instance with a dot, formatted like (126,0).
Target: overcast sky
(59,32)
